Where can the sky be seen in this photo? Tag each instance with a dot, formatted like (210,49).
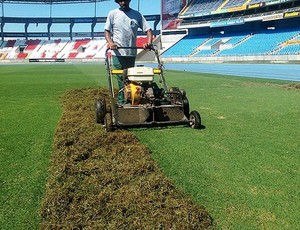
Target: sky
(69,10)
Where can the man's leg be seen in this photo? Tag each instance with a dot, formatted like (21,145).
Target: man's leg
(120,62)
(117,65)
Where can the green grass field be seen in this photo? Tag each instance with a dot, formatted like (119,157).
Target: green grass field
(244,166)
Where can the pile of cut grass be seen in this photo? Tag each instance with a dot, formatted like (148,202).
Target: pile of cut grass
(109,180)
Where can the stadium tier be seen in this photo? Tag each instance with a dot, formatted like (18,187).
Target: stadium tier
(51,49)
(202,6)
(265,42)
(206,7)
(55,49)
(237,30)
(191,31)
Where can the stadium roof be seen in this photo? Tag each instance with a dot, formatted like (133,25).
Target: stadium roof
(51,1)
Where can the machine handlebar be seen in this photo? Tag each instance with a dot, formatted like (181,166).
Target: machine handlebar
(150,47)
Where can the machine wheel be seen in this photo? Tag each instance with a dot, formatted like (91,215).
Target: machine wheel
(108,125)
(100,107)
(195,120)
(186,106)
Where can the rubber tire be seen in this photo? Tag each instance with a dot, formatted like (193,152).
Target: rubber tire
(186,106)
(195,120)
(100,107)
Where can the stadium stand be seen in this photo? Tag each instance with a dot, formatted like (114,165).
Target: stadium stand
(22,55)
(202,6)
(291,46)
(185,46)
(233,3)
(169,41)
(220,29)
(53,49)
(265,42)
(262,43)
(209,28)
(32,44)
(289,49)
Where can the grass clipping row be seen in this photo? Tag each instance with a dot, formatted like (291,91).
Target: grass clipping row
(108,180)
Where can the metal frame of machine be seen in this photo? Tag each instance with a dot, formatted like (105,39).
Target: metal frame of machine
(146,103)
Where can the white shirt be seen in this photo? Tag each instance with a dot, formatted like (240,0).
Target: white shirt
(123,26)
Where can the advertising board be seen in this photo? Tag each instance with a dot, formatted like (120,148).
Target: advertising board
(170,10)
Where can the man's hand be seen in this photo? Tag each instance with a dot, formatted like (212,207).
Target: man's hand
(113,46)
(110,42)
(148,46)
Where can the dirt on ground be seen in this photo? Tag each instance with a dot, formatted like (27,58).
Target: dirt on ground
(290,86)
(294,86)
(108,180)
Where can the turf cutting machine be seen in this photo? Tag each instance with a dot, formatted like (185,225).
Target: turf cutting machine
(146,103)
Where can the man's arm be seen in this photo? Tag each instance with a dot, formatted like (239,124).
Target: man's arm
(150,37)
(110,42)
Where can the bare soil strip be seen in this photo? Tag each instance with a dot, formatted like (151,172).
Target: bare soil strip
(100,180)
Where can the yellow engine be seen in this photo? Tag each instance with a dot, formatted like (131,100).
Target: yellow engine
(132,93)
(137,91)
